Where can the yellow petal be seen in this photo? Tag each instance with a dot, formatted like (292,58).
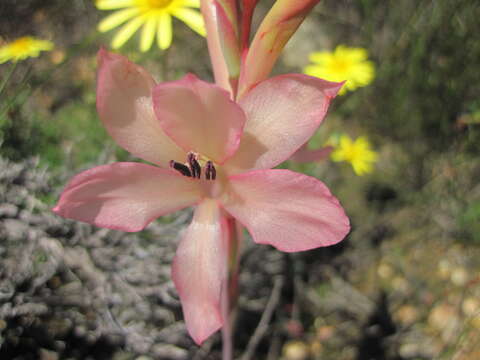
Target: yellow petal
(127,31)
(23,48)
(345,141)
(354,54)
(148,34)
(117,18)
(361,167)
(363,73)
(190,3)
(114,4)
(313,70)
(337,156)
(320,57)
(164,31)
(192,18)
(343,90)
(4,56)
(44,45)
(370,156)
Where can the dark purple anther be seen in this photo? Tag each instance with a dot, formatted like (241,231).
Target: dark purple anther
(182,169)
(210,171)
(194,165)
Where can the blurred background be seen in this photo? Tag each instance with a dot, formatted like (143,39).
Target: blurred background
(405,284)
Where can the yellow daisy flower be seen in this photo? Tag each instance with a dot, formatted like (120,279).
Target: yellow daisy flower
(154,15)
(345,63)
(23,48)
(358,153)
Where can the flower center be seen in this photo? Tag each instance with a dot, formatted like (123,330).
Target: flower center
(157,4)
(340,66)
(353,153)
(193,169)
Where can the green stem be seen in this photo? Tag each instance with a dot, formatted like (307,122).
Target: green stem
(7,78)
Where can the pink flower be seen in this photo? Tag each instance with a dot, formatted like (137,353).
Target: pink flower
(216,155)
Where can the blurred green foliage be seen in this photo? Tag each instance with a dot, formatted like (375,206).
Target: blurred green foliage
(469,221)
(427,55)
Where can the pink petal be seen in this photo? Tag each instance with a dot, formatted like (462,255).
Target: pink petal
(199,270)
(282,114)
(288,210)
(125,107)
(199,117)
(305,155)
(126,196)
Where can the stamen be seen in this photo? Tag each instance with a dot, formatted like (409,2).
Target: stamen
(182,169)
(194,165)
(210,171)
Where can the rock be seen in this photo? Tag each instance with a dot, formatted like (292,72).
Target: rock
(170,352)
(325,333)
(295,350)
(471,306)
(459,276)
(444,318)
(32,219)
(14,229)
(410,351)
(406,315)
(385,271)
(316,348)
(8,210)
(6,290)
(45,354)
(102,287)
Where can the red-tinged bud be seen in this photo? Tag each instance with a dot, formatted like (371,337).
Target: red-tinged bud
(248,6)
(276,29)
(220,71)
(229,42)
(223,36)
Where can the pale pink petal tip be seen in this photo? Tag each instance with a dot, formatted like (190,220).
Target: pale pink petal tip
(199,271)
(290,211)
(104,55)
(125,196)
(336,87)
(124,105)
(305,155)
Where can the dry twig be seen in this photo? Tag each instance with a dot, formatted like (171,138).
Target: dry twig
(265,319)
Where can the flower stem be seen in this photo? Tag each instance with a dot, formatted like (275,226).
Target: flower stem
(227,342)
(230,295)
(8,76)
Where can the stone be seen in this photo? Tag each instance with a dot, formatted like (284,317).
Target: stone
(14,229)
(8,210)
(169,352)
(295,350)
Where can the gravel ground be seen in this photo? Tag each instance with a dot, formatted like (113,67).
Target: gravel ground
(72,291)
